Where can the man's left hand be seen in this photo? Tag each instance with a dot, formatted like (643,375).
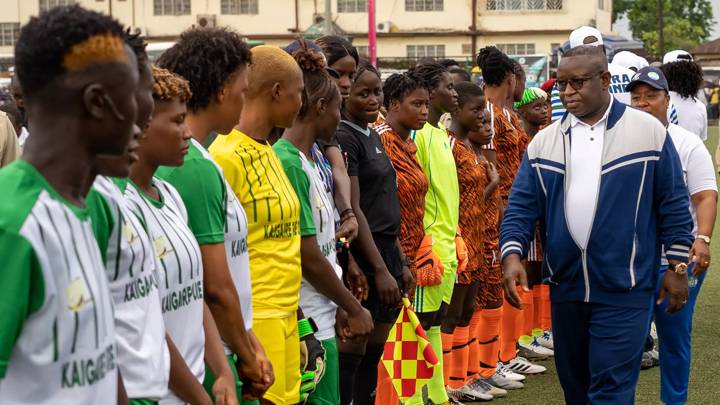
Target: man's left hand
(675,287)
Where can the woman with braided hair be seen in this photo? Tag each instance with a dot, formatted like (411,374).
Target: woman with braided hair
(180,281)
(500,80)
(321,291)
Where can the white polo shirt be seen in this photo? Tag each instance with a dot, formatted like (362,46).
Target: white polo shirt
(697,165)
(583,171)
(691,114)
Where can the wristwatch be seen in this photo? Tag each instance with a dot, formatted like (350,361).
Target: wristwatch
(680,269)
(704,238)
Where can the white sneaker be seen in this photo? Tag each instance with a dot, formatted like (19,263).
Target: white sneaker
(468,395)
(653,331)
(523,366)
(504,372)
(546,340)
(497,380)
(483,385)
(650,359)
(530,348)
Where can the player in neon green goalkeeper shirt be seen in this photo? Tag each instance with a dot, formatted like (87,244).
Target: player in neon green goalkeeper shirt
(441,212)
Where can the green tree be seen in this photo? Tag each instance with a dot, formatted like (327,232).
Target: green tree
(687,22)
(619,8)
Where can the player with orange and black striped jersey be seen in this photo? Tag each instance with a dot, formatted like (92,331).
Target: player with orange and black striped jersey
(528,347)
(478,180)
(501,80)
(407,102)
(536,339)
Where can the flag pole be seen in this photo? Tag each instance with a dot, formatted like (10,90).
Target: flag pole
(372,33)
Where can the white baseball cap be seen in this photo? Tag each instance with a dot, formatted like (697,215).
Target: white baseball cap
(642,62)
(629,60)
(577,37)
(677,55)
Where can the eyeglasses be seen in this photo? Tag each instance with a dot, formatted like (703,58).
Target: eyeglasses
(576,84)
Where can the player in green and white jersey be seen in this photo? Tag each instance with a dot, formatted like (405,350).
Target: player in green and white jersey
(130,262)
(320,292)
(160,207)
(57,342)
(216,217)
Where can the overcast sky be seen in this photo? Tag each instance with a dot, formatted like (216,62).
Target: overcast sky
(622,27)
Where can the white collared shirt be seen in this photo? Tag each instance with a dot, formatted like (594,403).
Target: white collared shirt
(586,146)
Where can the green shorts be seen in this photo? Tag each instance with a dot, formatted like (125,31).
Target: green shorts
(210,380)
(143,401)
(429,299)
(327,391)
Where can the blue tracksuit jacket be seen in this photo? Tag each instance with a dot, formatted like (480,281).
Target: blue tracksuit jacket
(642,205)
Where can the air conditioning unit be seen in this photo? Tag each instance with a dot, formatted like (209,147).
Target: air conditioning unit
(206,20)
(383,26)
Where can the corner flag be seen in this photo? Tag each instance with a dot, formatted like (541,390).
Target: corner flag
(408,356)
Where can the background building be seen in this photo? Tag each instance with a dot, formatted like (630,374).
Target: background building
(406,28)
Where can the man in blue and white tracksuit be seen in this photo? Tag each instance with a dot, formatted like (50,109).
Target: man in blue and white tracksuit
(606,184)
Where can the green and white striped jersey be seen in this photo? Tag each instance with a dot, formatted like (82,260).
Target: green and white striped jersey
(131,268)
(180,274)
(215,216)
(317,218)
(57,342)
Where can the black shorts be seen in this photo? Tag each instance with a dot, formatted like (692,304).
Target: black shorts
(390,254)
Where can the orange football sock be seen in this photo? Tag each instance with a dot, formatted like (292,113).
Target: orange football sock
(537,306)
(473,364)
(510,331)
(546,320)
(447,343)
(488,340)
(528,312)
(459,357)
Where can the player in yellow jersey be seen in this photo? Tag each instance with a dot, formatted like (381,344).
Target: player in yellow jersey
(256,175)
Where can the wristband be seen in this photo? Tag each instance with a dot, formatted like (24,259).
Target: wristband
(347,211)
(306,327)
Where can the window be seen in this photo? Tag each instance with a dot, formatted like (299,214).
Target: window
(363,51)
(467,49)
(352,6)
(171,7)
(517,49)
(423,5)
(601,4)
(238,6)
(524,5)
(46,5)
(425,51)
(9,33)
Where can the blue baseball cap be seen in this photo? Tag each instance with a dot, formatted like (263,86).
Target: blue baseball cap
(651,76)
